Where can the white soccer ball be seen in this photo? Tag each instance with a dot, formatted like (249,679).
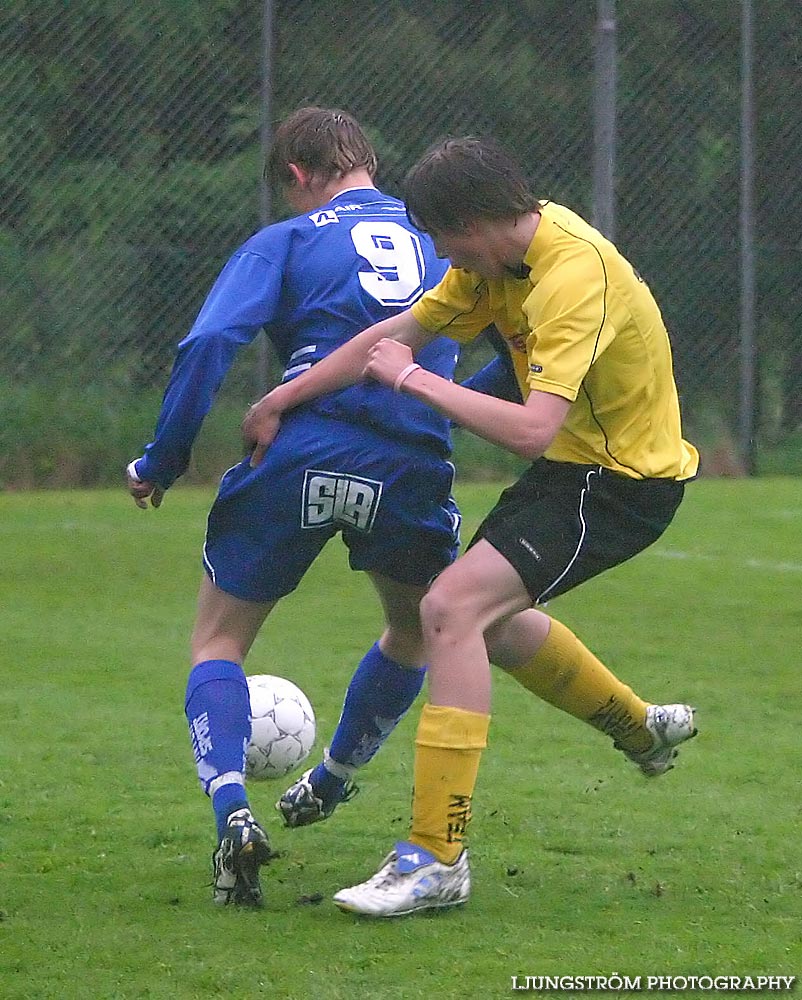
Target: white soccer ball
(282,727)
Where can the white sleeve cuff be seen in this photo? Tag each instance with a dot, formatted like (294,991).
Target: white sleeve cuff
(131,470)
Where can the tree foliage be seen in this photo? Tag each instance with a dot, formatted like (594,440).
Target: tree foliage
(130,152)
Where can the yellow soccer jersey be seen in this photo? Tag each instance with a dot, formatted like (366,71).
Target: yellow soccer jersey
(585,326)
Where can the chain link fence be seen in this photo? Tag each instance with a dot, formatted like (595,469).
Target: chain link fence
(131,157)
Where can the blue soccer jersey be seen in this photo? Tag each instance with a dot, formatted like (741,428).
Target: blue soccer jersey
(311,282)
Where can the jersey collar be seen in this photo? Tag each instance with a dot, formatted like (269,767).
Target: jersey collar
(371,192)
(540,241)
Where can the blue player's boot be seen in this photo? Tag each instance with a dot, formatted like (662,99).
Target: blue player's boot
(242,850)
(301,804)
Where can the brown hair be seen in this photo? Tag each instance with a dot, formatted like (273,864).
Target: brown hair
(460,181)
(325,141)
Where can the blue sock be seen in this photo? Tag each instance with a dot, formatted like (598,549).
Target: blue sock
(218,711)
(226,800)
(378,696)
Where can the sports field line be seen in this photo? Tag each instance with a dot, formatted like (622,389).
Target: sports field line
(766,565)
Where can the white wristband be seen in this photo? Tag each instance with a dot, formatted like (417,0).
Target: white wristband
(131,470)
(403,375)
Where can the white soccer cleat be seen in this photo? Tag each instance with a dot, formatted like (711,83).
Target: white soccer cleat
(669,725)
(410,879)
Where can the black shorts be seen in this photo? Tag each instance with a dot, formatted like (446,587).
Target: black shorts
(562,524)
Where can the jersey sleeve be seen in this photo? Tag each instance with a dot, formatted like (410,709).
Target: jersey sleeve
(241,302)
(457,307)
(570,327)
(497,379)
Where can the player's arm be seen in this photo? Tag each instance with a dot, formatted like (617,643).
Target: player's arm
(339,369)
(526,429)
(235,310)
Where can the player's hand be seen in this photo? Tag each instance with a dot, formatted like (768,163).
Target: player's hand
(141,489)
(386,360)
(260,427)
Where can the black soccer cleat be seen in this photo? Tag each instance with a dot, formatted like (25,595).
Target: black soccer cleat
(242,850)
(300,805)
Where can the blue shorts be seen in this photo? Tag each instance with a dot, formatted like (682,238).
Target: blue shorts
(391,502)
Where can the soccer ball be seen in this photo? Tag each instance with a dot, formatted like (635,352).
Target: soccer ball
(282,727)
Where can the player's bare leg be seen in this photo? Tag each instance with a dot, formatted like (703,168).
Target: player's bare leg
(402,639)
(225,626)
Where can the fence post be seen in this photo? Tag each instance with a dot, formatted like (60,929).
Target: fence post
(265,193)
(747,241)
(604,115)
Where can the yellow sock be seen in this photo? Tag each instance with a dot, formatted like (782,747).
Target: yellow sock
(566,674)
(448,748)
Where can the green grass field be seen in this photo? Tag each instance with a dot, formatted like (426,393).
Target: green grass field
(580,865)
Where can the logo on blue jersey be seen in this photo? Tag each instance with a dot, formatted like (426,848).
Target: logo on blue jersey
(339,498)
(324,218)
